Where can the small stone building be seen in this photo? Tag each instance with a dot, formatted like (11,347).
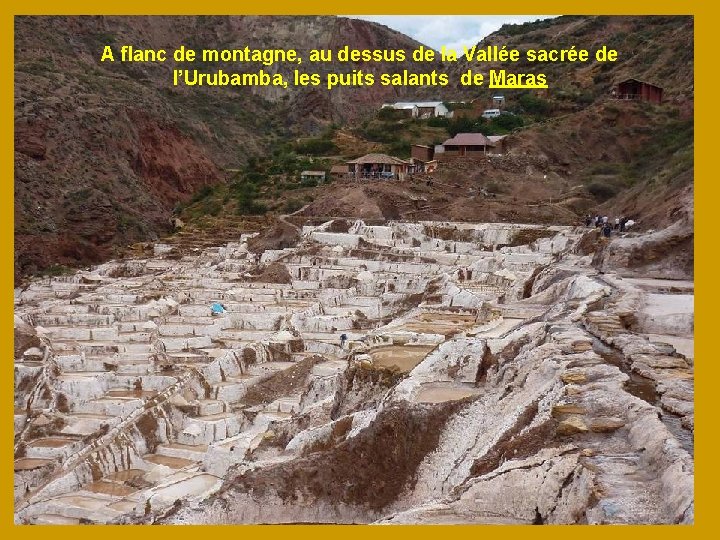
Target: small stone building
(498,141)
(420,109)
(498,101)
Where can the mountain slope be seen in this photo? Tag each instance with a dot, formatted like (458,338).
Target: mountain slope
(583,150)
(657,49)
(104,151)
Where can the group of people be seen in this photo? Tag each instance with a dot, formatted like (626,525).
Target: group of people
(606,225)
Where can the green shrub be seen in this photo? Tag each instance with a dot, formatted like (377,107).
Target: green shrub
(535,105)
(245,196)
(256,177)
(202,193)
(382,132)
(211,207)
(388,113)
(584,98)
(399,149)
(602,192)
(292,205)
(503,124)
(316,147)
(605,168)
(438,121)
(57,270)
(465,125)
(308,182)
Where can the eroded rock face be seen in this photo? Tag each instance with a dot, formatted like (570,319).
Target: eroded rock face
(25,338)
(402,373)
(666,253)
(359,476)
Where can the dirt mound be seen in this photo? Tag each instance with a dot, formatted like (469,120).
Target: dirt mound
(271,273)
(339,226)
(350,201)
(460,191)
(654,206)
(525,237)
(281,383)
(282,235)
(369,470)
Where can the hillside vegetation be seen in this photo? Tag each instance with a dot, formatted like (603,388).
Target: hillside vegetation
(105,151)
(106,154)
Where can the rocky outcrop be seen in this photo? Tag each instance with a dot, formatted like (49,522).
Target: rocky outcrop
(78,213)
(664,254)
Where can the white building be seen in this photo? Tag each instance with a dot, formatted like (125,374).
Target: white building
(421,109)
(409,109)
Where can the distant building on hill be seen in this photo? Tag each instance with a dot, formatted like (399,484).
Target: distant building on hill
(423,158)
(379,166)
(467,144)
(313,175)
(339,171)
(406,109)
(634,89)
(420,109)
(422,152)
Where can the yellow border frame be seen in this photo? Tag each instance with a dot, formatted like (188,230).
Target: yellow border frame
(706,22)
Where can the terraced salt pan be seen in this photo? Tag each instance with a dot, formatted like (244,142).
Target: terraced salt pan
(506,325)
(51,442)
(320,307)
(667,314)
(27,464)
(189,487)
(168,461)
(55,519)
(402,357)
(662,285)
(439,323)
(110,488)
(683,345)
(124,475)
(442,392)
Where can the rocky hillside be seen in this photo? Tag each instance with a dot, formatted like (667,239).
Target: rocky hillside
(637,155)
(579,150)
(657,49)
(104,151)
